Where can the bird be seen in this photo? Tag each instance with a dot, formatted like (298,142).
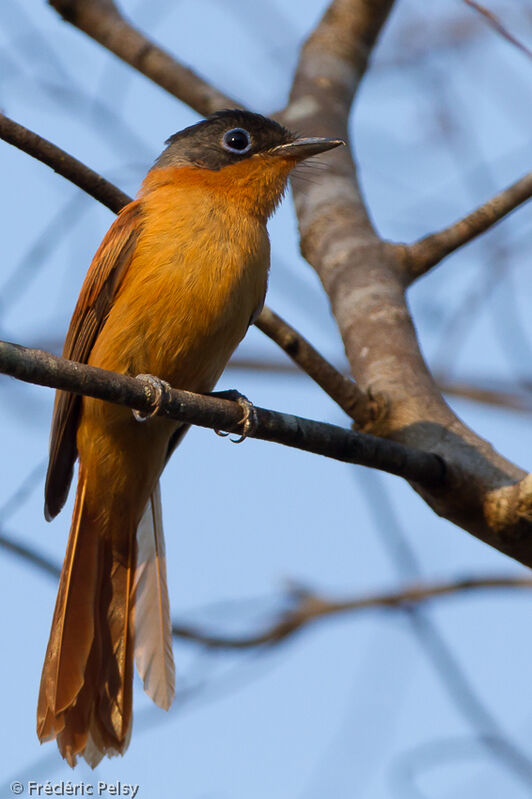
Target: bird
(171,291)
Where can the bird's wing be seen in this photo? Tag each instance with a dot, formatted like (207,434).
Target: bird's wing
(105,275)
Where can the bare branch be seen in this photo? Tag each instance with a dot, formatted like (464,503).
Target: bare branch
(63,163)
(340,388)
(29,555)
(311,607)
(102,21)
(42,368)
(499,27)
(421,256)
(488,393)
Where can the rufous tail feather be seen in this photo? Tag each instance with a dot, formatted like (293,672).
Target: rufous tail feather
(151,617)
(85,699)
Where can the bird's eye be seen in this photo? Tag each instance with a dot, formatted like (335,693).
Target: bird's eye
(236,140)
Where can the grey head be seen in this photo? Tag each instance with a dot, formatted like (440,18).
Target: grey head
(230,136)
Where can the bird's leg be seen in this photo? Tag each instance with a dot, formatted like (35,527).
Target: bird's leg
(249,416)
(155,392)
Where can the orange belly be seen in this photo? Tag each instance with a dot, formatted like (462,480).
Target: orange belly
(184,305)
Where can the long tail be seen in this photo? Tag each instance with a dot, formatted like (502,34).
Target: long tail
(85,698)
(151,608)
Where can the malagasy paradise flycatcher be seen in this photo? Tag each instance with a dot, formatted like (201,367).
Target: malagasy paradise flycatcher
(172,289)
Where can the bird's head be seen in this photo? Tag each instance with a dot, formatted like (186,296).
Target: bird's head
(245,155)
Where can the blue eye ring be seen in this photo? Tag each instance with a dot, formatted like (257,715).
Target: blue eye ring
(234,138)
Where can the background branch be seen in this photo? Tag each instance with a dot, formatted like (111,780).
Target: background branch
(102,21)
(486,391)
(310,607)
(421,256)
(495,22)
(306,606)
(63,163)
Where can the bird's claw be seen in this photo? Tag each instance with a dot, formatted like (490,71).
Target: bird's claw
(155,391)
(249,415)
(248,420)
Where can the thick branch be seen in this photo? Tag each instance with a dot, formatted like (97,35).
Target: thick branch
(43,368)
(311,608)
(102,21)
(363,276)
(421,256)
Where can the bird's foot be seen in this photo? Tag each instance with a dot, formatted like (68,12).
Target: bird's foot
(155,391)
(249,415)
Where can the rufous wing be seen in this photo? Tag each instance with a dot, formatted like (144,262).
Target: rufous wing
(103,279)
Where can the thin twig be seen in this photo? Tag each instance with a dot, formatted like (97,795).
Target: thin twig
(421,256)
(310,608)
(42,368)
(488,394)
(102,21)
(29,555)
(499,27)
(485,391)
(63,163)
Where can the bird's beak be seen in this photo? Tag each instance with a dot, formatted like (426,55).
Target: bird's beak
(304,148)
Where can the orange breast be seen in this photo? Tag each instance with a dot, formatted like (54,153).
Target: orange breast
(198,275)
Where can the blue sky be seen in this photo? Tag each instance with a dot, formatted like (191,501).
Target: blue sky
(353,706)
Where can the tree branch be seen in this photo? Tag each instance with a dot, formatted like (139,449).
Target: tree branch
(489,393)
(102,21)
(340,388)
(364,279)
(63,163)
(498,26)
(310,608)
(421,256)
(29,555)
(307,607)
(42,368)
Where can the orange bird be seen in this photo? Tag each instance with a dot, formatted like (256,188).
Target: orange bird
(171,291)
